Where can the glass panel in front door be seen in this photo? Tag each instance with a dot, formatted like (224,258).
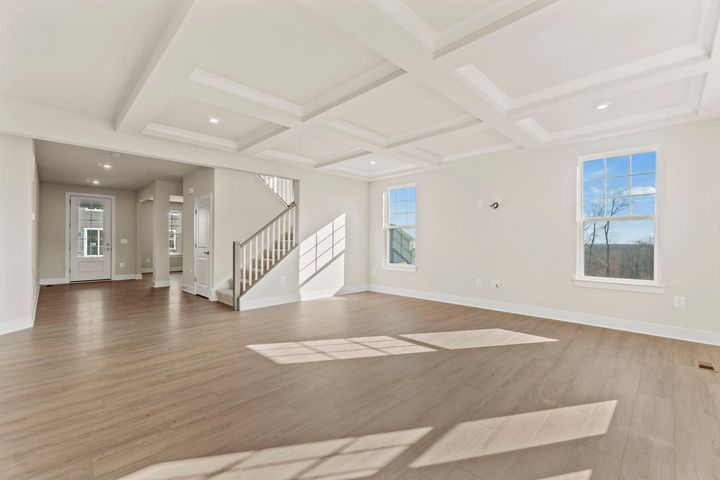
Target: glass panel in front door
(91,233)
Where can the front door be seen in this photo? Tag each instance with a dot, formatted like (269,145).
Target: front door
(203,245)
(90,238)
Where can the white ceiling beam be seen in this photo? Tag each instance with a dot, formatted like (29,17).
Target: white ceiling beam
(394,82)
(709,105)
(173,133)
(193,31)
(382,34)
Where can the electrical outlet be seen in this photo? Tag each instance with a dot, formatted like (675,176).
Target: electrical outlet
(480,204)
(495,284)
(679,302)
(147,260)
(122,265)
(478,282)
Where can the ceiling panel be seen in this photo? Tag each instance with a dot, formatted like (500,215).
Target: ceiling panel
(581,111)
(444,15)
(590,37)
(375,165)
(283,49)
(318,144)
(78,55)
(404,111)
(467,139)
(194,116)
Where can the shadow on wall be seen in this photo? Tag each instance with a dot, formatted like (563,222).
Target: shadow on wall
(322,260)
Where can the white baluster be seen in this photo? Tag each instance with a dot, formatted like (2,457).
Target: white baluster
(243,269)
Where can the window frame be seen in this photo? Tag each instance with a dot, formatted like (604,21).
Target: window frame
(613,283)
(386,265)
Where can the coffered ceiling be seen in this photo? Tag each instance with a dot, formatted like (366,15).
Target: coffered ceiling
(368,88)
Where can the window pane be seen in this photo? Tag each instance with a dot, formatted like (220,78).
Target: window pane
(643,162)
(402,246)
(594,207)
(618,166)
(643,205)
(617,206)
(643,184)
(594,187)
(593,169)
(620,249)
(618,187)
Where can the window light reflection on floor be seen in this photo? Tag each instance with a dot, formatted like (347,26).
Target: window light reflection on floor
(491,436)
(490,337)
(342,458)
(336,349)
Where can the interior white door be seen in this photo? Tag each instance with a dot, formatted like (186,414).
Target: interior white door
(203,246)
(90,238)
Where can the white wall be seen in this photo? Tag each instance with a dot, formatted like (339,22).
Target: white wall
(18,284)
(529,243)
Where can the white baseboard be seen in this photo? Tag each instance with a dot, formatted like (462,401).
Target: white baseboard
(161,283)
(331,292)
(53,281)
(176,269)
(268,302)
(655,329)
(146,270)
(9,326)
(36,297)
(125,276)
(188,288)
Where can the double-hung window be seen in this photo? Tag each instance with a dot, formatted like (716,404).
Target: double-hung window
(617,221)
(175,232)
(399,224)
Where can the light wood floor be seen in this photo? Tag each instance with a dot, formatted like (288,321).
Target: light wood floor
(118,377)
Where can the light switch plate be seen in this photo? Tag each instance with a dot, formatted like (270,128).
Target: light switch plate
(123,240)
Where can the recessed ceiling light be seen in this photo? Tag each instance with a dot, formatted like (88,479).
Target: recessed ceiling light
(214,120)
(107,166)
(96,182)
(372,162)
(602,106)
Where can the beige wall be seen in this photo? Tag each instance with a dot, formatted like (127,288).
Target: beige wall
(529,243)
(17,284)
(52,256)
(202,182)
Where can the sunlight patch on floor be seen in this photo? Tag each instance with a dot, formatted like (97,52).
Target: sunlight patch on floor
(336,349)
(342,458)
(516,432)
(583,475)
(491,337)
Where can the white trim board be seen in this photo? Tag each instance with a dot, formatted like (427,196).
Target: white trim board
(53,281)
(9,326)
(268,301)
(634,326)
(124,276)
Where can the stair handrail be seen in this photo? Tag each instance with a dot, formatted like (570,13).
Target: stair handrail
(266,266)
(251,237)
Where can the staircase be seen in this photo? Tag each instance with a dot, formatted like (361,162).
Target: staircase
(254,257)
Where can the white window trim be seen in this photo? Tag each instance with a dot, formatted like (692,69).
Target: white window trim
(386,265)
(642,286)
(85,236)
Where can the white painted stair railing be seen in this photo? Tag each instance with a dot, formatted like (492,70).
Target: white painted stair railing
(256,256)
(282,187)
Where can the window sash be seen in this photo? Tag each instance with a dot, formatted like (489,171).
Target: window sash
(386,222)
(582,218)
